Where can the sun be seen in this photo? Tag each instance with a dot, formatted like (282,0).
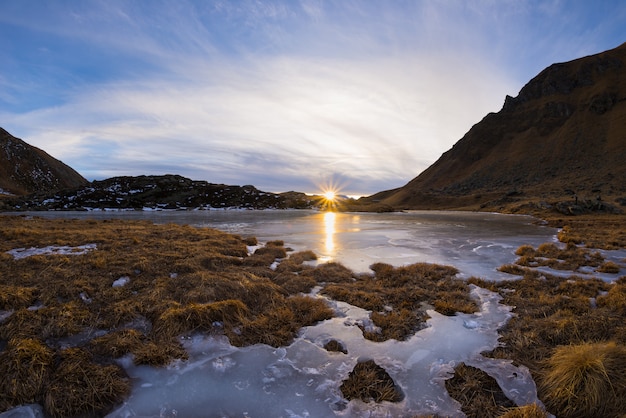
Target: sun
(330,195)
(329,199)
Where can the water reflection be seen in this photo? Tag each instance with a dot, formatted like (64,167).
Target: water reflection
(329,229)
(475,243)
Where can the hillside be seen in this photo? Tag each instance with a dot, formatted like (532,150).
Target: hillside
(30,179)
(560,143)
(26,169)
(158,192)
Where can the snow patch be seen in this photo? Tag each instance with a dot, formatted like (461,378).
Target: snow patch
(19,253)
(122,281)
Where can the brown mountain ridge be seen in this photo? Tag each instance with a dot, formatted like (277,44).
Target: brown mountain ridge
(26,169)
(561,141)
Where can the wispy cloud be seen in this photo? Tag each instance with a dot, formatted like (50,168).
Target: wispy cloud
(281,95)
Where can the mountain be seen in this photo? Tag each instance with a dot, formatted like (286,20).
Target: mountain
(30,179)
(560,143)
(158,192)
(26,169)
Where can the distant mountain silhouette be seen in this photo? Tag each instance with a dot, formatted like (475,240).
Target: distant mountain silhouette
(561,141)
(168,191)
(30,179)
(26,169)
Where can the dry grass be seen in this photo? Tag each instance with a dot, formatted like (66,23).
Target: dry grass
(586,380)
(608,267)
(26,366)
(16,297)
(397,324)
(594,231)
(552,311)
(615,300)
(526,411)
(479,394)
(179,280)
(370,383)
(550,255)
(397,296)
(559,319)
(335,346)
(278,326)
(81,387)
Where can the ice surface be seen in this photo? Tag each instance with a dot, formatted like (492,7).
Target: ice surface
(476,243)
(4,315)
(303,379)
(19,253)
(24,411)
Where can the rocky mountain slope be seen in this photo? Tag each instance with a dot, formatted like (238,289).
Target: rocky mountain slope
(26,169)
(561,141)
(30,179)
(158,192)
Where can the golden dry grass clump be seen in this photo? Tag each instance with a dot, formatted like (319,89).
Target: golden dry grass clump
(181,319)
(67,383)
(278,326)
(397,296)
(571,257)
(370,383)
(594,231)
(615,299)
(586,380)
(25,367)
(16,297)
(478,393)
(81,387)
(526,411)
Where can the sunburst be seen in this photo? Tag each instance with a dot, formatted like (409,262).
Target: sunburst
(330,195)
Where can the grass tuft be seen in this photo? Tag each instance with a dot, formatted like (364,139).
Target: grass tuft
(479,394)
(16,297)
(615,299)
(25,367)
(181,319)
(81,387)
(335,346)
(586,380)
(526,411)
(525,250)
(608,267)
(370,383)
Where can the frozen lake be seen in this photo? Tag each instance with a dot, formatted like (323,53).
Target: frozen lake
(474,242)
(303,379)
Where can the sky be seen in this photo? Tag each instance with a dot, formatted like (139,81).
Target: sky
(361,95)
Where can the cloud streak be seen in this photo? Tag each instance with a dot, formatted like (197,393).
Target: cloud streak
(284,97)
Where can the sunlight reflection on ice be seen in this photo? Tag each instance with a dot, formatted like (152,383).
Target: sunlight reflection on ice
(329,230)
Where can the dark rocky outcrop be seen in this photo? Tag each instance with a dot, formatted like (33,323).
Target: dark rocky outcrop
(159,192)
(26,169)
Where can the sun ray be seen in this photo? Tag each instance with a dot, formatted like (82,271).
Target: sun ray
(330,195)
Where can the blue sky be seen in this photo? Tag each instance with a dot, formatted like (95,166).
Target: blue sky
(285,94)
